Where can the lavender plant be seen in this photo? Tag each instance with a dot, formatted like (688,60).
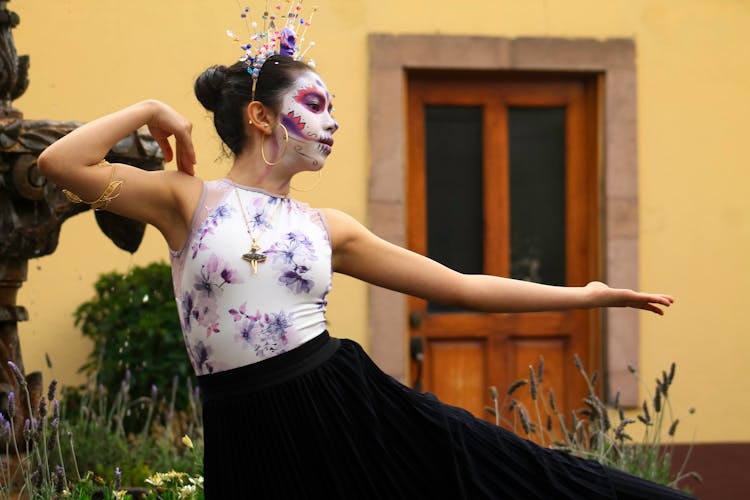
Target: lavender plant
(590,431)
(49,466)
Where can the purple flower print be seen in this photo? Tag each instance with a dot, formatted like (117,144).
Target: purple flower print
(239,313)
(247,326)
(265,334)
(200,354)
(291,257)
(212,221)
(200,304)
(301,239)
(273,339)
(213,276)
(278,324)
(295,282)
(186,310)
(263,213)
(230,276)
(281,256)
(206,316)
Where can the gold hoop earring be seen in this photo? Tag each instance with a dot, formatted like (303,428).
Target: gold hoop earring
(283,150)
(307,190)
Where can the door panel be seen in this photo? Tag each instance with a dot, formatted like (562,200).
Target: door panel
(502,180)
(458,371)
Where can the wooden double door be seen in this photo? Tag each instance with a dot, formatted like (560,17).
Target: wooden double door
(503,180)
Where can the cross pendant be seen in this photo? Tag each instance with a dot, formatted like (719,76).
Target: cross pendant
(254,257)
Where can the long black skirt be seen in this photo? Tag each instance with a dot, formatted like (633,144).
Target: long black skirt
(322,421)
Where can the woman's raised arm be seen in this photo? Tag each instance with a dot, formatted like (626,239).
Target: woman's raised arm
(162,198)
(359,253)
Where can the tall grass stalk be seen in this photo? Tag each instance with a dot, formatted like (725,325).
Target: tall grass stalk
(99,443)
(590,431)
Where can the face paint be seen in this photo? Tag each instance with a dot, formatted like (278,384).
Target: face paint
(306,113)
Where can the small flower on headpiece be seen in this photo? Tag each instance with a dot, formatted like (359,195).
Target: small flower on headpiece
(288,41)
(283,38)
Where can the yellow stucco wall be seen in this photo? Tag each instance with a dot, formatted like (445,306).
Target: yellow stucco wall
(93,56)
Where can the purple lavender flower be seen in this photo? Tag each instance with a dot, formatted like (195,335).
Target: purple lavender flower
(11,404)
(288,41)
(17,372)
(51,390)
(42,407)
(118,478)
(52,440)
(58,479)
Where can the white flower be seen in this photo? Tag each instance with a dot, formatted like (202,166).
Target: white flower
(155,480)
(187,491)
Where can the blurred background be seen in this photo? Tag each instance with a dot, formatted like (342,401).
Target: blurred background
(560,141)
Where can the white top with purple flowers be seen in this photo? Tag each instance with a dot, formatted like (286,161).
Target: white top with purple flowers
(231,317)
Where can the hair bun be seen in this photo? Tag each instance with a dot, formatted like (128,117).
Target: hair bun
(210,85)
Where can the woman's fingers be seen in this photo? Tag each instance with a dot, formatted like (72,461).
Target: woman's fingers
(163,142)
(656,303)
(186,158)
(185,150)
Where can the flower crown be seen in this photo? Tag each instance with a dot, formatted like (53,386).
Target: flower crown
(277,33)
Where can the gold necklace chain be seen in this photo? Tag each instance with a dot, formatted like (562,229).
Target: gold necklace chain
(254,256)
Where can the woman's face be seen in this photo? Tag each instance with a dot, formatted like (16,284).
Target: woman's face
(306,113)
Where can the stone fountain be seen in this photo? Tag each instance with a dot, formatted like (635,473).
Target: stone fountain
(33,210)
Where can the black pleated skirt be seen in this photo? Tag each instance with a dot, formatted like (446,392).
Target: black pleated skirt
(322,421)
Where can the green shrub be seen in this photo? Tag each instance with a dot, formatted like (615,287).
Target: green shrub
(135,327)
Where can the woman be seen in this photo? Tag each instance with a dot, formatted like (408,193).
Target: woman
(290,412)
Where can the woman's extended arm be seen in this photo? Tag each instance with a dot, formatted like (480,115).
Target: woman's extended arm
(161,198)
(359,253)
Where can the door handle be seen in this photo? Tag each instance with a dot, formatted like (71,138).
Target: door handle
(416,351)
(415,319)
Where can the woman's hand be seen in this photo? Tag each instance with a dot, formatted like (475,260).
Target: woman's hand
(166,122)
(603,296)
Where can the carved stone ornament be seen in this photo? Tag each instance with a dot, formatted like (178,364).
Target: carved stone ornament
(32,210)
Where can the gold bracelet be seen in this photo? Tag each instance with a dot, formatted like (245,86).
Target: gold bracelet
(111,192)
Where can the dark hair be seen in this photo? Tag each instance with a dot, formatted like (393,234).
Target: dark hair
(227,90)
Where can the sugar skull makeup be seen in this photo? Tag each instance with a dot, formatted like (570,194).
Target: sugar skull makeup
(306,113)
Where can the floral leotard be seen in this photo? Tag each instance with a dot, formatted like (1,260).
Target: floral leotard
(231,317)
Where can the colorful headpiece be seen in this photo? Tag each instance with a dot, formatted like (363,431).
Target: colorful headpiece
(279,30)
